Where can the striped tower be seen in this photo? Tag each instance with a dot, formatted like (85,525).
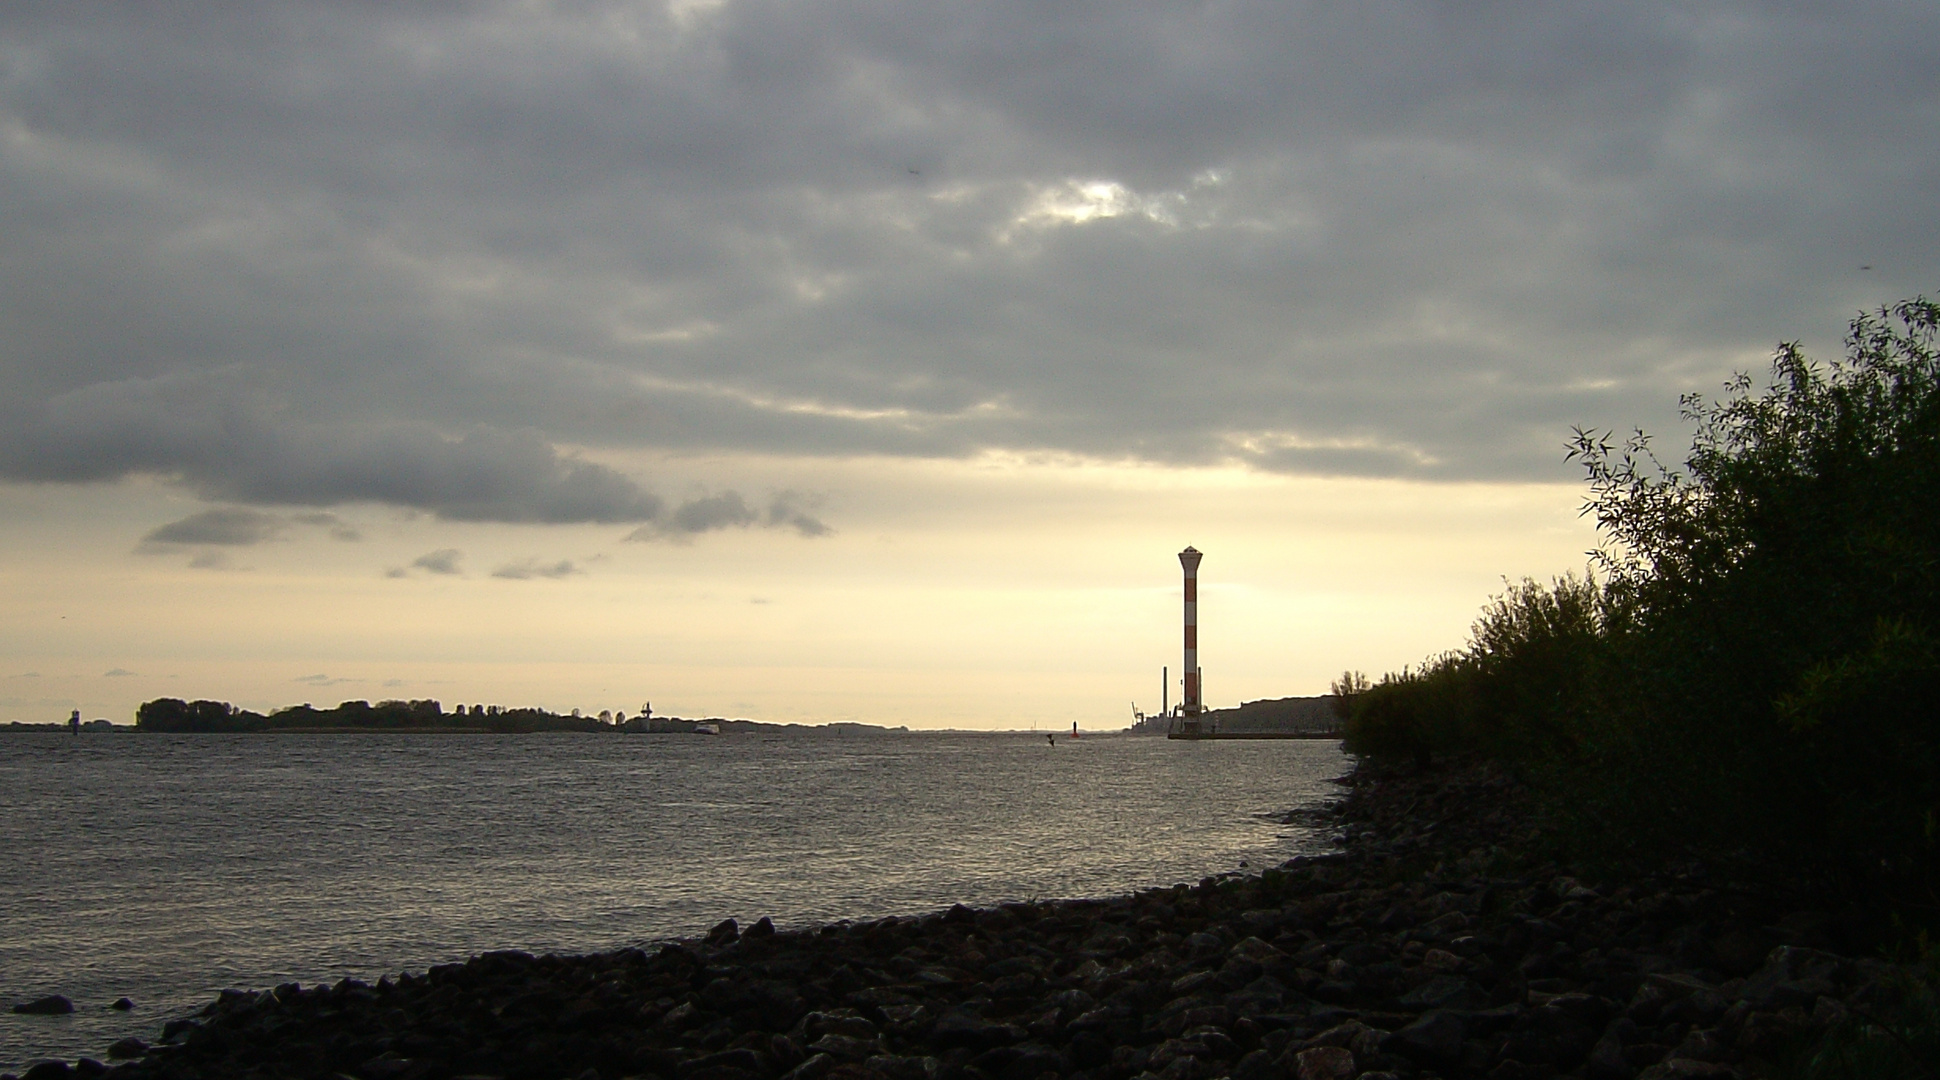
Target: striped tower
(1189,558)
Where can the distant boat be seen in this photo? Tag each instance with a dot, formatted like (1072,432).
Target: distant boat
(707,729)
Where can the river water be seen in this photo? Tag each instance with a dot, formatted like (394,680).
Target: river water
(166,868)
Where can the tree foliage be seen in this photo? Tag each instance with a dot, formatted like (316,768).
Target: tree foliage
(1755,678)
(174,715)
(1351,684)
(1781,597)
(1527,667)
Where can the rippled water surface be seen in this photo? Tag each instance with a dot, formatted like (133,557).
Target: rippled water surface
(165,868)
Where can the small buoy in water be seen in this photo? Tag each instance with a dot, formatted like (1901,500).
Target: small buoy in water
(1052,739)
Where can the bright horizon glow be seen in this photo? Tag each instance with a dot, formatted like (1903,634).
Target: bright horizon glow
(996,593)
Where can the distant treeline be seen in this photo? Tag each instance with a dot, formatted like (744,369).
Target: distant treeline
(1750,676)
(176,715)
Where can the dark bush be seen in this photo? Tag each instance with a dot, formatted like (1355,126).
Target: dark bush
(1756,680)
(1416,714)
(1515,691)
(1780,597)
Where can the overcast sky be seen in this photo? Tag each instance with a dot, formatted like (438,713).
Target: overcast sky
(637,299)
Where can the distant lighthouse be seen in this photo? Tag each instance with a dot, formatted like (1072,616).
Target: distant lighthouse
(1189,558)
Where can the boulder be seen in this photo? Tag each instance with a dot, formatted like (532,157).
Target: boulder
(1702,1045)
(1445,992)
(1325,1063)
(740,1060)
(1204,946)
(1585,1009)
(959,1028)
(1442,962)
(1739,951)
(1032,1062)
(1259,1065)
(1607,1060)
(845,1022)
(1341,1035)
(1687,1069)
(1435,1039)
(844,1046)
(1793,976)
(815,1068)
(51,1005)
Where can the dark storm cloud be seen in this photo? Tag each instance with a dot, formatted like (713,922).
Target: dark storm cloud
(319,253)
(250,449)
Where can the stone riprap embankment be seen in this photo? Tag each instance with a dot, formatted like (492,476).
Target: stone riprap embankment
(1421,950)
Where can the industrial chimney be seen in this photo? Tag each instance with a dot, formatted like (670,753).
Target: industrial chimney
(1189,558)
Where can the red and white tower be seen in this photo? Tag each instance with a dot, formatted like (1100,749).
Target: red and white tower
(1189,558)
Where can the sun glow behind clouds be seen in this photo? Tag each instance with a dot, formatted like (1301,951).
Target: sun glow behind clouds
(1078,202)
(997,592)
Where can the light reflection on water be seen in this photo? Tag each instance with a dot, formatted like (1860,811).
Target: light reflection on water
(166,868)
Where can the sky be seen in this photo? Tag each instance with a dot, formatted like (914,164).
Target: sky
(813,360)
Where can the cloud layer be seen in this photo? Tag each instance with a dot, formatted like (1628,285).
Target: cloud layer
(227,526)
(443,257)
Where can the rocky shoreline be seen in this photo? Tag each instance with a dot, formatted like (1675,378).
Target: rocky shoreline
(1430,946)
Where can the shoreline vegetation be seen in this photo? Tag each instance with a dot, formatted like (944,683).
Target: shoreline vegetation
(1748,677)
(173,715)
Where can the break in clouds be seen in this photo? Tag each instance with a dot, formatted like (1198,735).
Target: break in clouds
(463,258)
